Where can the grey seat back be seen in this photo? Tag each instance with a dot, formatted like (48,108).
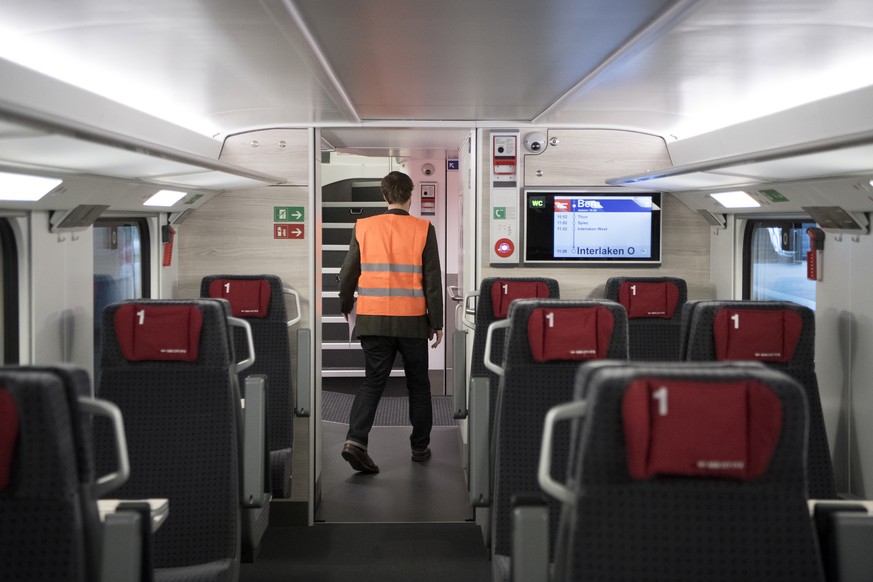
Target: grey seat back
(654,311)
(495,296)
(41,521)
(685,327)
(168,366)
(259,300)
(48,483)
(694,472)
(781,335)
(546,342)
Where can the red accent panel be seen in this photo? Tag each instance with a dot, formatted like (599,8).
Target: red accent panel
(158,332)
(8,435)
(712,429)
(569,333)
(644,299)
(504,292)
(247,297)
(767,335)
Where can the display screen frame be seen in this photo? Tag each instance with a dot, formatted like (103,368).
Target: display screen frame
(539,226)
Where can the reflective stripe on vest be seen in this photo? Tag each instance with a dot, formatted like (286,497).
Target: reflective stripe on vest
(391,280)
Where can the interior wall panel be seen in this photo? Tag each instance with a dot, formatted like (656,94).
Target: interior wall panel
(685,235)
(844,336)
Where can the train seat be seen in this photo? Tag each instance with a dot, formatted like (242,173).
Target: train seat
(689,472)
(685,326)
(780,335)
(169,367)
(259,299)
(654,310)
(546,341)
(50,527)
(495,295)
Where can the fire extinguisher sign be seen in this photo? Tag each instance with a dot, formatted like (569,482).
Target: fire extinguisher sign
(288,231)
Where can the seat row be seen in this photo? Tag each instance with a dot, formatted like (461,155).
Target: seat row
(196,426)
(527,349)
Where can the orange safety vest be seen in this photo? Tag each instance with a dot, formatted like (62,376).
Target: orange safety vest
(391,281)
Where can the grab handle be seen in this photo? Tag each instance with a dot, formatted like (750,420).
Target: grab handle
(109,410)
(469,310)
(558,413)
(250,342)
(500,324)
(289,291)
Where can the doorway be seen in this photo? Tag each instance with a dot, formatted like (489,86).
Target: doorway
(403,491)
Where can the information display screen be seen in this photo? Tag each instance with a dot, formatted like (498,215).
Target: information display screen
(592,227)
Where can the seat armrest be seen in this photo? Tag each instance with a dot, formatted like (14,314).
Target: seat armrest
(530,539)
(845,535)
(123,547)
(459,395)
(480,441)
(303,400)
(254,443)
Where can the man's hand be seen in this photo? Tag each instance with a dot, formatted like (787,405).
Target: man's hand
(439,337)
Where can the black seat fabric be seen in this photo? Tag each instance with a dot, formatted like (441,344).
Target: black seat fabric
(48,519)
(40,509)
(701,503)
(182,419)
(546,342)
(782,336)
(259,300)
(495,296)
(685,327)
(654,308)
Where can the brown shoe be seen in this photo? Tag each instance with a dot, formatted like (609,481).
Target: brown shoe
(359,459)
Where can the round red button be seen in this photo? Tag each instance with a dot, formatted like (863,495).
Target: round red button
(504,248)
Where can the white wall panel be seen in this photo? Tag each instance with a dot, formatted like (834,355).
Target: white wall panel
(62,295)
(844,343)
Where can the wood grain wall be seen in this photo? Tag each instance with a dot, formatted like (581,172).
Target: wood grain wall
(233,232)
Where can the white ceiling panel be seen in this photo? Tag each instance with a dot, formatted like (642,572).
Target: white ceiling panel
(674,68)
(732,61)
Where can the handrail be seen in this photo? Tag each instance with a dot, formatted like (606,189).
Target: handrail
(469,311)
(110,481)
(289,291)
(242,323)
(558,413)
(499,324)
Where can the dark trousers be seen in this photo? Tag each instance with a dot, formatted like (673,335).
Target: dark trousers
(379,354)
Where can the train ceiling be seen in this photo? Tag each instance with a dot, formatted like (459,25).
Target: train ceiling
(361,70)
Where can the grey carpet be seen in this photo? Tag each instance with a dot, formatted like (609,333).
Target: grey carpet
(403,491)
(433,552)
(392,411)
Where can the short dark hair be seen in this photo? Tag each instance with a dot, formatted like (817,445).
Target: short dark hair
(397,188)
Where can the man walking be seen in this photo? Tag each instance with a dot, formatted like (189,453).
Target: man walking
(393,262)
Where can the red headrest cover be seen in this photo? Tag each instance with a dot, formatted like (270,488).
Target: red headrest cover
(504,292)
(158,332)
(644,299)
(713,429)
(756,334)
(569,333)
(247,297)
(8,435)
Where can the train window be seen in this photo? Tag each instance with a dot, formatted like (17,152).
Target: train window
(774,262)
(121,266)
(9,297)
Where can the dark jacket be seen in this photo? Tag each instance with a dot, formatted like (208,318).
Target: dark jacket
(396,326)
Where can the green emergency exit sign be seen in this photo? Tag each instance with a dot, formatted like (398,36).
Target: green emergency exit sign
(288,214)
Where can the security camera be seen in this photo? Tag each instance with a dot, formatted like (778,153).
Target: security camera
(428,169)
(535,142)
